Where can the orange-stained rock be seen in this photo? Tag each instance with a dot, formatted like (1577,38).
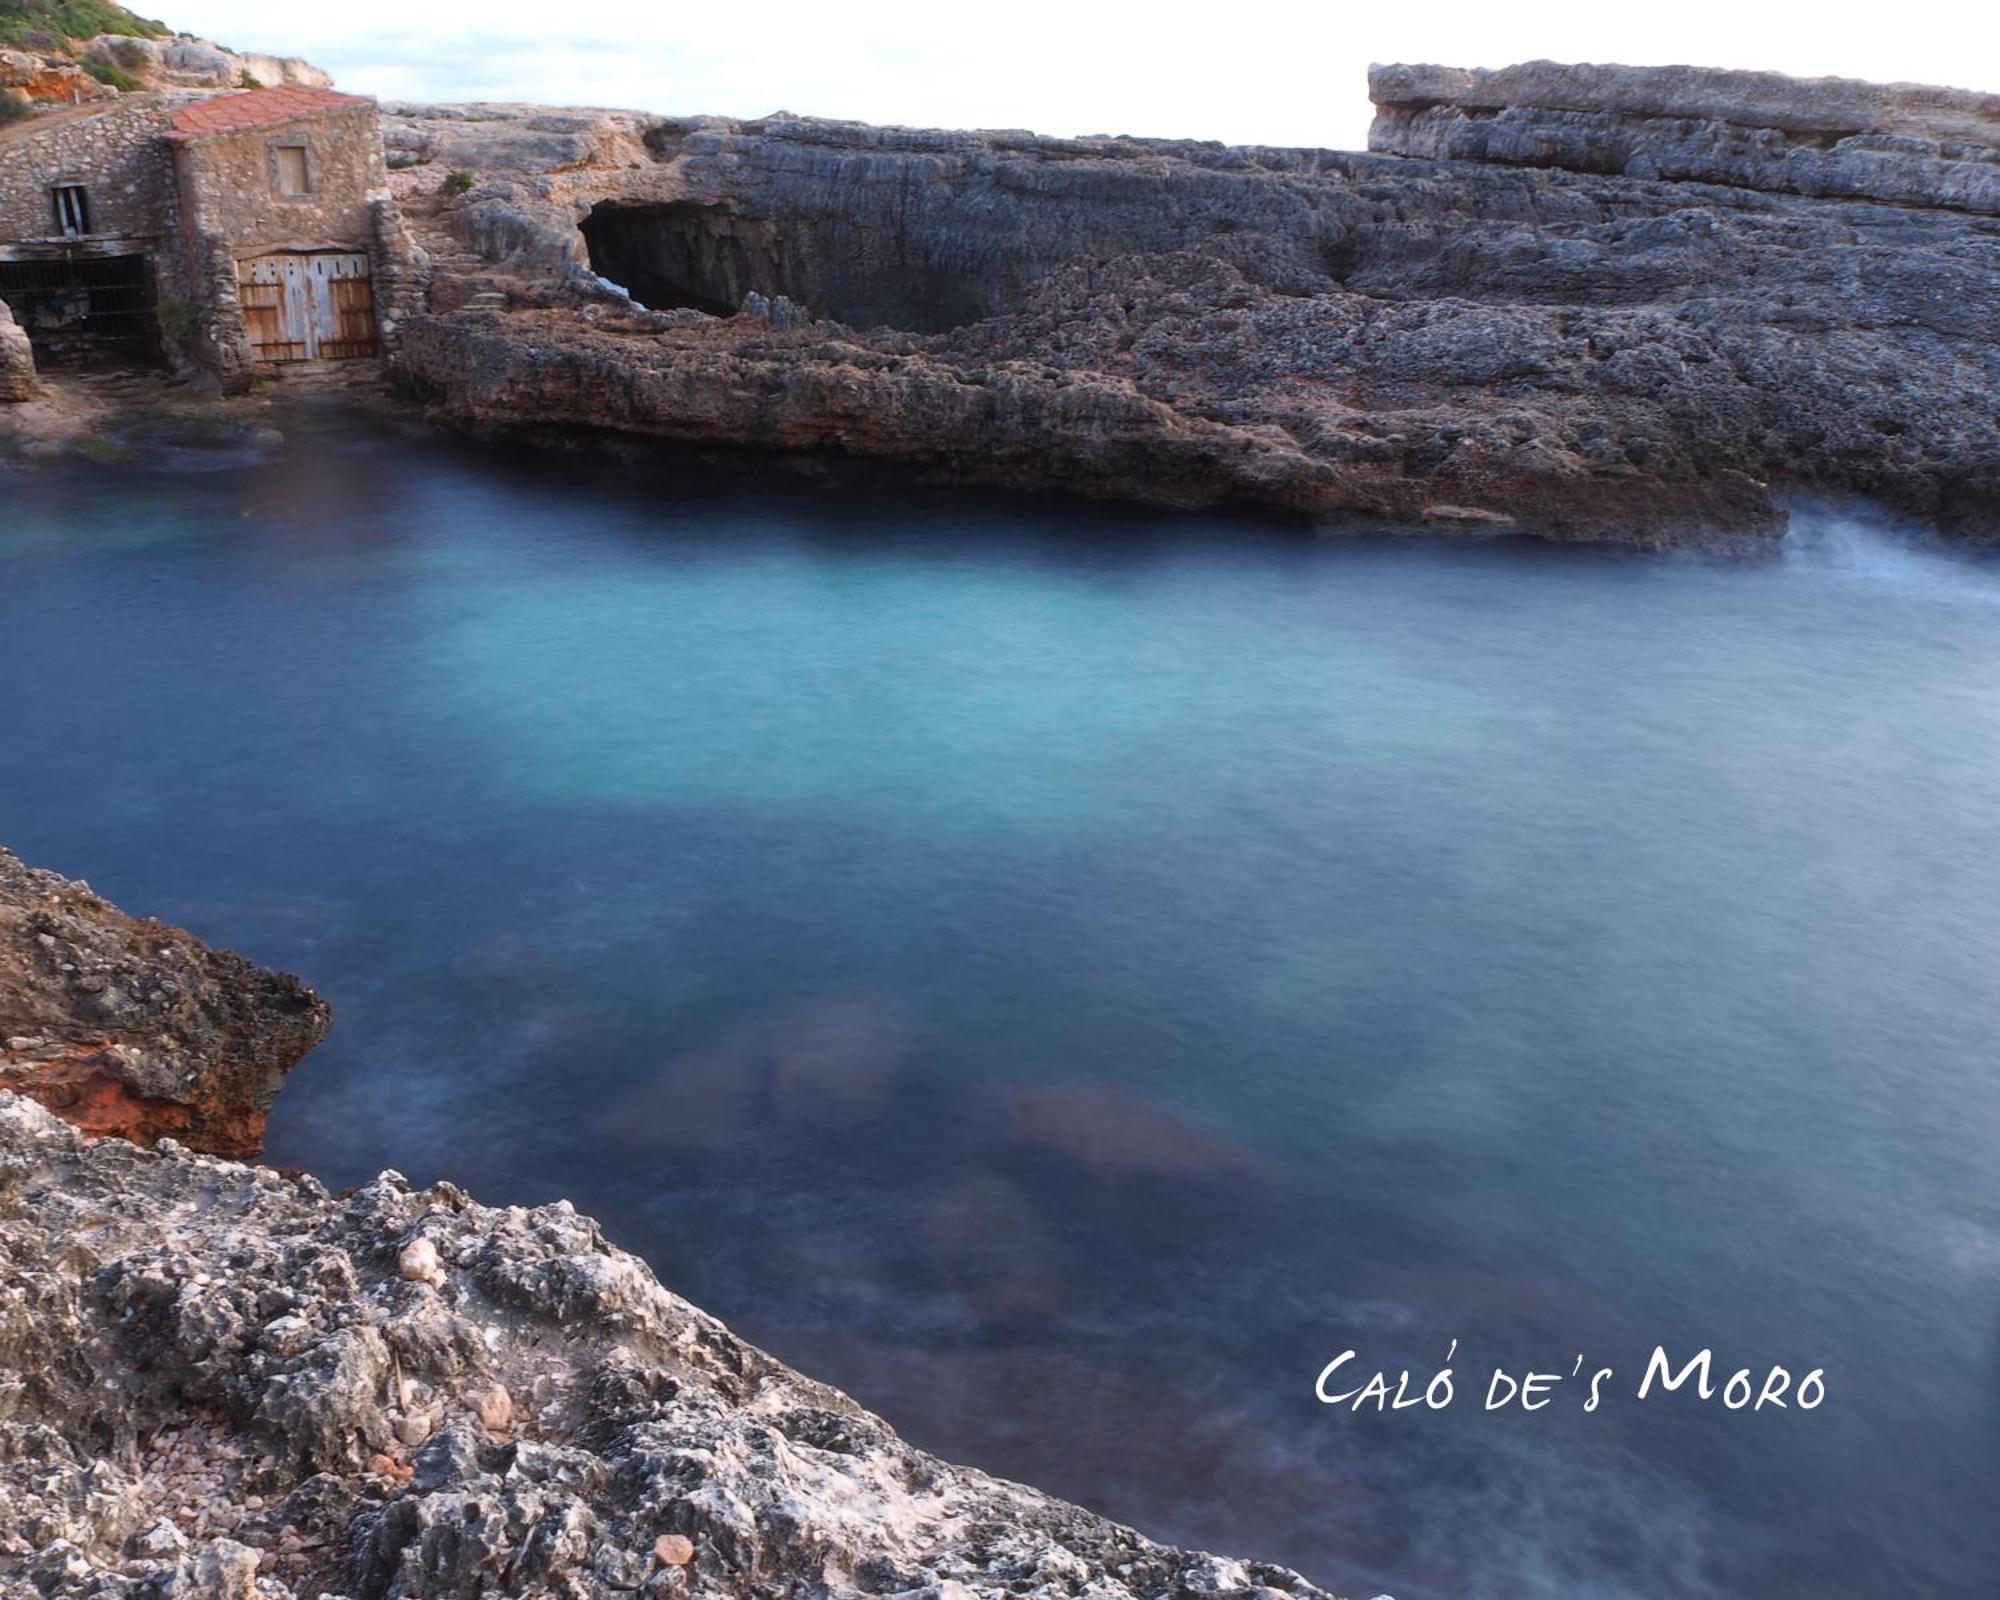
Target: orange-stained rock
(59,82)
(130,1028)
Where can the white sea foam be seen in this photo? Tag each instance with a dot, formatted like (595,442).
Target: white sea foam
(1867,543)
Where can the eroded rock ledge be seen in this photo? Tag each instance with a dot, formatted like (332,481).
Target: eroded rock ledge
(224,1383)
(1911,143)
(1614,351)
(127,1026)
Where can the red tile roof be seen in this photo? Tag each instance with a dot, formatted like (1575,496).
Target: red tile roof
(254,108)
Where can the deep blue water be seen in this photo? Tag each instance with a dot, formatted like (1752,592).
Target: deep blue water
(1065,974)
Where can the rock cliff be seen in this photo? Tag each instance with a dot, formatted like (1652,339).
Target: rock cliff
(42,60)
(127,1026)
(1905,142)
(220,1382)
(1615,351)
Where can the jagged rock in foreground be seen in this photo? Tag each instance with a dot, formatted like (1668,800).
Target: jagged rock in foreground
(220,1382)
(126,1026)
(1471,343)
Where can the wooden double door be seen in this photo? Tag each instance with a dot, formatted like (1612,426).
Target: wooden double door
(300,307)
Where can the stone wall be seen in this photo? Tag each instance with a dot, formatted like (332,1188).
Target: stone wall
(116,154)
(235,210)
(1911,144)
(198,207)
(229,183)
(400,279)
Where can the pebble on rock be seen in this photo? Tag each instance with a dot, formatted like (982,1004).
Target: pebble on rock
(419,1262)
(674,1549)
(494,1407)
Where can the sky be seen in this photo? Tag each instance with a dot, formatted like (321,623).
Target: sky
(1279,72)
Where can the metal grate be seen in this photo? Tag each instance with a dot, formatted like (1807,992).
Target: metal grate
(85,311)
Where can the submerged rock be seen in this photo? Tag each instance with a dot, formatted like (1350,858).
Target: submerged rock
(124,1025)
(217,1380)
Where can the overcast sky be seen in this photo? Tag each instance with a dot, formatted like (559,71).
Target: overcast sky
(1274,73)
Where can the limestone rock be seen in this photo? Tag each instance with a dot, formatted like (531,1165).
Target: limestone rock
(17,360)
(51,79)
(190,63)
(1909,143)
(127,1026)
(1588,354)
(155,1441)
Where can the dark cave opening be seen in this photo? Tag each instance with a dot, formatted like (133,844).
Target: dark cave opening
(685,255)
(704,256)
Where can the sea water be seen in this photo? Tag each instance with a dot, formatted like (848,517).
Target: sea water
(1066,975)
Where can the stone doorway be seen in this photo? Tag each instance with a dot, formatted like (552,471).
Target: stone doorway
(317,307)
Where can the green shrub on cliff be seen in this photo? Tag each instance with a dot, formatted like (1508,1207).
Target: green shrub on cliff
(116,77)
(13,107)
(71,19)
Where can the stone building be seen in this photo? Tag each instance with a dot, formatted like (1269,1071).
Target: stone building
(234,231)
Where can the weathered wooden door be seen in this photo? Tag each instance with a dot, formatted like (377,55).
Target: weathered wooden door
(309,307)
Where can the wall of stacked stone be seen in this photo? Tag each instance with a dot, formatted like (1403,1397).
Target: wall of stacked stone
(399,280)
(235,209)
(124,168)
(229,183)
(221,341)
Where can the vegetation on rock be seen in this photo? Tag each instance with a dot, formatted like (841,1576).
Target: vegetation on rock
(113,77)
(20,20)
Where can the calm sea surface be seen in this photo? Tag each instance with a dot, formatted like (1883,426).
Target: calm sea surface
(1065,975)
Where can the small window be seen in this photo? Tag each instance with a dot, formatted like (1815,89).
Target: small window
(72,209)
(293,178)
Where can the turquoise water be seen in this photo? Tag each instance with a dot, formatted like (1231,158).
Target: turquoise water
(1066,974)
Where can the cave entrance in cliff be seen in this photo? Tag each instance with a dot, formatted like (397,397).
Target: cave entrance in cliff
(85,312)
(682,255)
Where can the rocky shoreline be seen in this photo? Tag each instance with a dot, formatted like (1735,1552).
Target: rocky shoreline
(1577,323)
(222,1382)
(1642,305)
(128,1027)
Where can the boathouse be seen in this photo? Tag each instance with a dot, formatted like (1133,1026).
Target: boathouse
(235,231)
